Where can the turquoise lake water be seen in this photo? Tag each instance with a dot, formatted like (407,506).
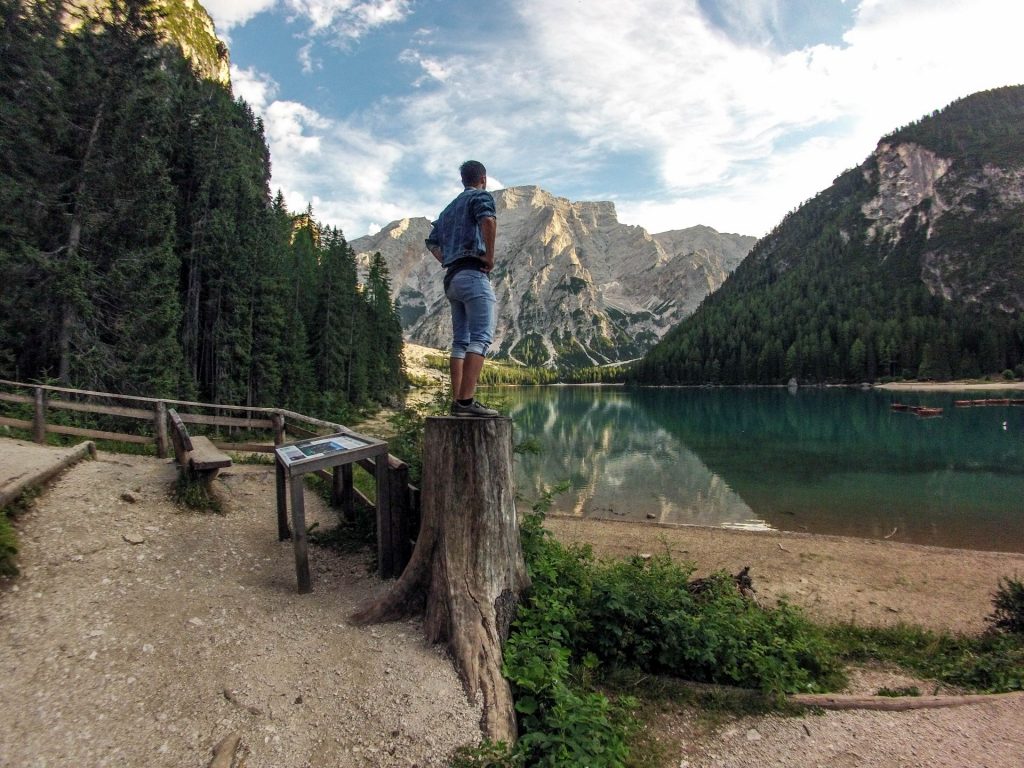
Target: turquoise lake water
(834,461)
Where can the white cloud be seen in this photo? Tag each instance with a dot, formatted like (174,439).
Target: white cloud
(348,19)
(730,130)
(232,13)
(728,135)
(343,170)
(255,87)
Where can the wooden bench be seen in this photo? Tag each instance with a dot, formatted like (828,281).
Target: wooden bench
(196,456)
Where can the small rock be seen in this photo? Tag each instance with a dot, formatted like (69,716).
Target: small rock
(130,497)
(753,735)
(134,538)
(298,699)
(651,516)
(195,621)
(148,648)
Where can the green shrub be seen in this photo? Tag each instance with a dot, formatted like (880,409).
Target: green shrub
(586,618)
(1008,604)
(641,614)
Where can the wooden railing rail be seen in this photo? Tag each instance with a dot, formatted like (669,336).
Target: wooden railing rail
(279,422)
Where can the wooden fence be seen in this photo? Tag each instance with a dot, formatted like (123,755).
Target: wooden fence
(278,424)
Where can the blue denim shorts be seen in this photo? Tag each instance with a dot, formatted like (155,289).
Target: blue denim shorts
(472,301)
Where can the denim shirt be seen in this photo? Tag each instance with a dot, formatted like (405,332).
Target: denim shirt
(457,229)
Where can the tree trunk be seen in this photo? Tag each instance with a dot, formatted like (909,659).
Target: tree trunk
(69,311)
(467,569)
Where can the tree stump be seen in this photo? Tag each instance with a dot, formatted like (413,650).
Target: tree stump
(467,571)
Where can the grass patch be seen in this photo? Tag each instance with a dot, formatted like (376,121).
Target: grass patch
(987,663)
(896,693)
(8,536)
(354,535)
(195,495)
(8,546)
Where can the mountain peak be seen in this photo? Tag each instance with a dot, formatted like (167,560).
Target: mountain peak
(574,286)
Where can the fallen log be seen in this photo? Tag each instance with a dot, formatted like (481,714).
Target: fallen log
(898,703)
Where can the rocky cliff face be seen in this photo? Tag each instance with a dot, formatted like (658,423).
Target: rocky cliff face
(919,191)
(574,286)
(184,23)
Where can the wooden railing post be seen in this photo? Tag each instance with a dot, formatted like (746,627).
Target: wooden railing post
(385,545)
(398,489)
(39,417)
(278,421)
(343,492)
(160,428)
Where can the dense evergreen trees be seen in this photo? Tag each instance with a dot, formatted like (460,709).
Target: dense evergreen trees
(820,301)
(140,248)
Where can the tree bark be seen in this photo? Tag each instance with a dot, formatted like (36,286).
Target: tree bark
(467,571)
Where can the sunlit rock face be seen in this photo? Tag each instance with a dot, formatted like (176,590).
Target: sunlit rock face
(184,23)
(575,286)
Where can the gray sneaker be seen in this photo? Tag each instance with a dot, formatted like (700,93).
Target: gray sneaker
(473,410)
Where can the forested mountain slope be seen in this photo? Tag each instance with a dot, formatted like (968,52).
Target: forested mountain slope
(910,265)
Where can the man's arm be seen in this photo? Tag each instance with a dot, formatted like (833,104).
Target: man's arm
(488,231)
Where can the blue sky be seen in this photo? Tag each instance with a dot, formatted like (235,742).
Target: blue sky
(728,113)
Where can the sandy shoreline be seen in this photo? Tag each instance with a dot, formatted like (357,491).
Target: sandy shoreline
(950,386)
(833,578)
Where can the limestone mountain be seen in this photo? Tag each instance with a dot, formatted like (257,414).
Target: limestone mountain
(910,265)
(184,23)
(575,286)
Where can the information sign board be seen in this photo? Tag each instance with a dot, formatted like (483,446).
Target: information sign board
(319,448)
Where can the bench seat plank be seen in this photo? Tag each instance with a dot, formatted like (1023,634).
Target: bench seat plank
(206,456)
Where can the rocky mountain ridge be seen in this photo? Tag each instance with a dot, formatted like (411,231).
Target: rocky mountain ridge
(575,286)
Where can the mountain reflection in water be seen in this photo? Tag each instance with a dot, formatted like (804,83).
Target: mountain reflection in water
(834,461)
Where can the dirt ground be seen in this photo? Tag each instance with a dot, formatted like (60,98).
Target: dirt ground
(140,635)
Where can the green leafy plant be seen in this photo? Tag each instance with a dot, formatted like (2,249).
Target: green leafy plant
(1008,606)
(586,619)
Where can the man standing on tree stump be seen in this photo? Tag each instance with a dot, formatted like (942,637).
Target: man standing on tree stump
(462,240)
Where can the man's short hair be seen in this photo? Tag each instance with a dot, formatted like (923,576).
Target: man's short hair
(472,172)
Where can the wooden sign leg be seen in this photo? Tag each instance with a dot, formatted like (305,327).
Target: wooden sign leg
(282,504)
(299,534)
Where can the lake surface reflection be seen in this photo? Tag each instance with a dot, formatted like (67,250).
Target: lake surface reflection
(832,461)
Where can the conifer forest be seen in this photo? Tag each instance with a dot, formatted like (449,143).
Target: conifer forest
(141,249)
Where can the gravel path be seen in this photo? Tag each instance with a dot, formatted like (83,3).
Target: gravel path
(141,635)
